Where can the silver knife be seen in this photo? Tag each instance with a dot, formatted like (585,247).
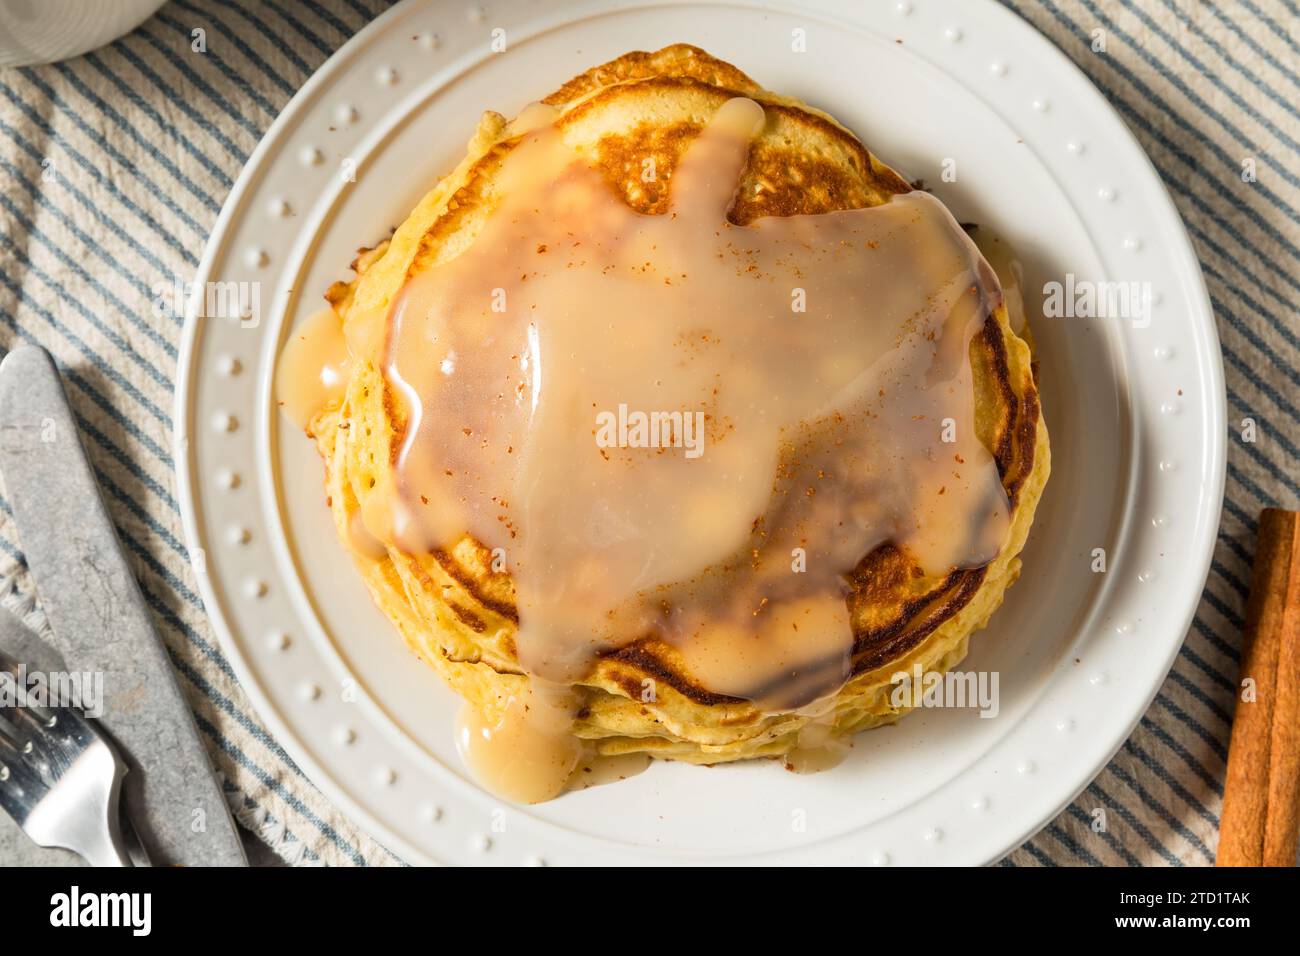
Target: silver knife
(100,622)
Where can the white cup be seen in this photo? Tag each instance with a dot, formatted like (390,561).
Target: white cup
(43,31)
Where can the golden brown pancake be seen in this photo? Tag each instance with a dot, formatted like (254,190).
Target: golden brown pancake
(460,616)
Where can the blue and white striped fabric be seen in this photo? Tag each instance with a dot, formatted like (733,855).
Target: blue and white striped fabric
(115,165)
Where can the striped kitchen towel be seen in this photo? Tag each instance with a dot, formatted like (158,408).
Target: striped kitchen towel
(115,165)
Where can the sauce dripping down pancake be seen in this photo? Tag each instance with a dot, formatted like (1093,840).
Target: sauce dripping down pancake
(550,375)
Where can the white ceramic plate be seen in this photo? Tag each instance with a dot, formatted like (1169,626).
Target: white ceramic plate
(1136,418)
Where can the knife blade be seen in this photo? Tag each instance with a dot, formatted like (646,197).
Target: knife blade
(100,622)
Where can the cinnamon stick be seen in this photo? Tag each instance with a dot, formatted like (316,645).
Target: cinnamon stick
(1261,799)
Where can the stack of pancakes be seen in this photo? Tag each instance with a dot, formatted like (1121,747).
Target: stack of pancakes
(460,616)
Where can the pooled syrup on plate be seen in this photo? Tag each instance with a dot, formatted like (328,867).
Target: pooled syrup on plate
(313,367)
(673,425)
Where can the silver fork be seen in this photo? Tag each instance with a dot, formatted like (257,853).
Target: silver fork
(60,779)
